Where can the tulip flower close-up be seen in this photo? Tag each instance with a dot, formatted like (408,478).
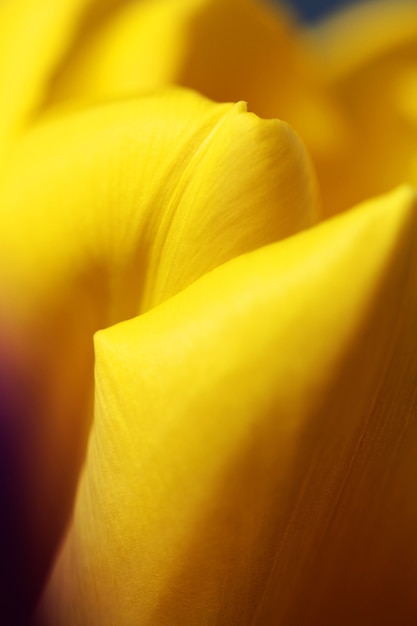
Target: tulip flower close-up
(208,302)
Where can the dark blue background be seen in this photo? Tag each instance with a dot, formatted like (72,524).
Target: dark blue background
(312,10)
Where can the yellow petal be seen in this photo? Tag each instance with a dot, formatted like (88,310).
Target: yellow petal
(159,190)
(368,57)
(33,37)
(254,442)
(109,211)
(229,50)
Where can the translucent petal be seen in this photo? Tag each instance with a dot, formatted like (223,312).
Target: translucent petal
(254,442)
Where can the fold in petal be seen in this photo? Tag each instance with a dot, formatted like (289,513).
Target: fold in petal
(108,212)
(229,50)
(369,61)
(254,442)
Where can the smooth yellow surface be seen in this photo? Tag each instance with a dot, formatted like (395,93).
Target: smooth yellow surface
(217,420)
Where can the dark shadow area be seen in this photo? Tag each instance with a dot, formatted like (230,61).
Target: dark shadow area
(19,583)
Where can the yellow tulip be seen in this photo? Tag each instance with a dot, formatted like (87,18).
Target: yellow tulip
(218,417)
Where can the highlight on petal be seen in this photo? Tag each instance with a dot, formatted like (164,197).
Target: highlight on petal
(229,50)
(254,442)
(368,58)
(106,213)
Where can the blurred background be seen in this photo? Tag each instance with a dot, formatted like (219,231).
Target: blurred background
(314,9)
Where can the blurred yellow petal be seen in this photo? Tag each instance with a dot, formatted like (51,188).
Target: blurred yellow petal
(106,213)
(33,37)
(369,61)
(229,50)
(360,34)
(252,459)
